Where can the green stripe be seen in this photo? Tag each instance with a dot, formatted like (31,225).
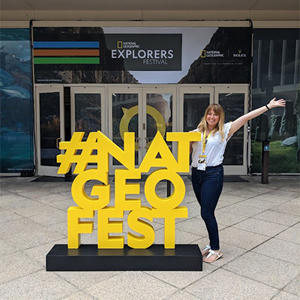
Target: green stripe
(66,60)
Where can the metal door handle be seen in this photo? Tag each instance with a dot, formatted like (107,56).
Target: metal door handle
(57,141)
(137,141)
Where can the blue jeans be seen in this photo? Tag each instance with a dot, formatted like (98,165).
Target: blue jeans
(208,186)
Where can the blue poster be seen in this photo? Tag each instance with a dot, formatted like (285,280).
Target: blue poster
(16,101)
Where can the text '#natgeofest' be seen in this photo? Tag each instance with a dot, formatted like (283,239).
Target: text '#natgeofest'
(158,156)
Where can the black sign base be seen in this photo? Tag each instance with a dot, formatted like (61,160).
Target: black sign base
(155,258)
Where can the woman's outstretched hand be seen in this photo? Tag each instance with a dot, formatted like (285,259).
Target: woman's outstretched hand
(276,103)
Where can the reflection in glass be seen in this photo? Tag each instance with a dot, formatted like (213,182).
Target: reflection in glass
(193,110)
(87,113)
(49,127)
(233,105)
(121,103)
(276,73)
(159,115)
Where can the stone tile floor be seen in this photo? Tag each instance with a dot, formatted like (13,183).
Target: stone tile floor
(259,232)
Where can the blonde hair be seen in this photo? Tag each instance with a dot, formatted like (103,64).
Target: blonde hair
(218,110)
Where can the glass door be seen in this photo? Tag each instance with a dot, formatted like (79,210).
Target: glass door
(88,108)
(49,127)
(193,100)
(159,103)
(143,110)
(125,115)
(234,99)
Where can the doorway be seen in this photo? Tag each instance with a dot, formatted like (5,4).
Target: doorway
(142,109)
(193,101)
(50,127)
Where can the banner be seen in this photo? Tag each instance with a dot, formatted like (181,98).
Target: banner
(142,54)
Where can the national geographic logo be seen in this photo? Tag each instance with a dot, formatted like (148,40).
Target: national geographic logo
(126,45)
(211,53)
(119,44)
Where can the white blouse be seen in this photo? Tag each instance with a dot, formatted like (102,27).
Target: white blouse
(214,149)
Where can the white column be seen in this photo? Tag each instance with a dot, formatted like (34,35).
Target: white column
(271,52)
(297,50)
(282,74)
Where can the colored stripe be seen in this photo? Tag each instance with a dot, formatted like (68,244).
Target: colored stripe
(66,44)
(66,60)
(66,52)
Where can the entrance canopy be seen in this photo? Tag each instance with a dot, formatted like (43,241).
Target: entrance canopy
(151,5)
(155,10)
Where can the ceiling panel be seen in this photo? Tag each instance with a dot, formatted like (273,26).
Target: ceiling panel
(150,5)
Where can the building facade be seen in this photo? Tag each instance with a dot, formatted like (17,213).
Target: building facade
(58,77)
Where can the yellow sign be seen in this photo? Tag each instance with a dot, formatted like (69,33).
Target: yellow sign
(99,200)
(128,114)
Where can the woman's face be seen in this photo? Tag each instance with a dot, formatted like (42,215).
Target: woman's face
(212,119)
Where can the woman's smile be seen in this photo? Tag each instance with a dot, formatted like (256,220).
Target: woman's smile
(212,119)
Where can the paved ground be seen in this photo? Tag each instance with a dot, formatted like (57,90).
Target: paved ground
(259,231)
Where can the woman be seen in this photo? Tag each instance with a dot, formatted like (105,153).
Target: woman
(207,168)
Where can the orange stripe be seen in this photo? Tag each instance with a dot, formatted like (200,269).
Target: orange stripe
(66,52)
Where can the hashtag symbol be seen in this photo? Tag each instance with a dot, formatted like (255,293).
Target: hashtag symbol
(73,155)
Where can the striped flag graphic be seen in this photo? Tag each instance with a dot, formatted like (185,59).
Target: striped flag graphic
(66,52)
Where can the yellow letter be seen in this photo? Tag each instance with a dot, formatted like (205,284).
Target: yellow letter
(166,207)
(166,160)
(142,227)
(122,188)
(66,159)
(184,139)
(105,227)
(102,191)
(164,203)
(75,226)
(170,216)
(125,157)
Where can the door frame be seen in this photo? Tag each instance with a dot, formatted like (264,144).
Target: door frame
(79,89)
(106,91)
(192,89)
(142,91)
(243,89)
(40,89)
(125,89)
(160,89)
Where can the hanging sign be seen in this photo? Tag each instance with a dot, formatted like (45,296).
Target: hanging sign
(145,52)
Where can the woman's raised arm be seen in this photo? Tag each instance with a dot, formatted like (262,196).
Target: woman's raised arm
(241,121)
